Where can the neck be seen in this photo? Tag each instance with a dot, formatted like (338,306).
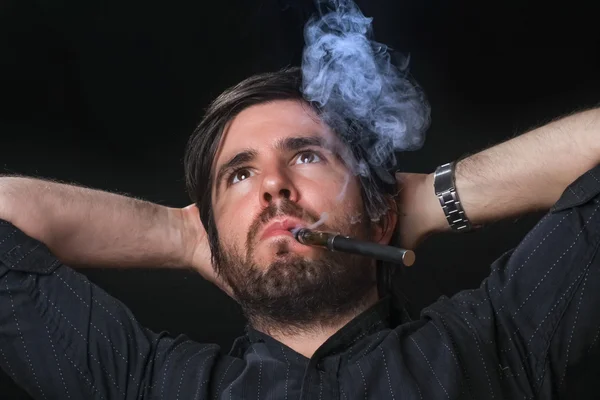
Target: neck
(307,340)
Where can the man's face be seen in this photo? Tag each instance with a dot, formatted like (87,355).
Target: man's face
(278,167)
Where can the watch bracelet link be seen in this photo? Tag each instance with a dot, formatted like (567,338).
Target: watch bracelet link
(445,190)
(455,214)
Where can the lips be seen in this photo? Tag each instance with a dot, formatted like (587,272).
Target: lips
(281,227)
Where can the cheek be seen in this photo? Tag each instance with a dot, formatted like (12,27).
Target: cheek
(339,197)
(338,190)
(347,205)
(329,183)
(230,237)
(233,219)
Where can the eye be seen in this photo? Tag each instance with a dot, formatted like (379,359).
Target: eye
(239,175)
(308,157)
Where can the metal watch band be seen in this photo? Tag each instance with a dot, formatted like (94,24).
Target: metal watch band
(445,190)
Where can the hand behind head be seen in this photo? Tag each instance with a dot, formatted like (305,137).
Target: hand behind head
(197,250)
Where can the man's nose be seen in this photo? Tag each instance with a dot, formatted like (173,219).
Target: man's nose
(277,185)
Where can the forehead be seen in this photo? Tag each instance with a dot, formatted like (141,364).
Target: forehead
(261,126)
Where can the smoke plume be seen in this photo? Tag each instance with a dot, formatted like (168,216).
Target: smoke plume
(369,101)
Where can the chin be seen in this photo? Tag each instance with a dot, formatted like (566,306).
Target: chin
(281,248)
(275,257)
(271,248)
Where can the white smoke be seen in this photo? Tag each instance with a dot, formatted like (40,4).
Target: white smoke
(372,103)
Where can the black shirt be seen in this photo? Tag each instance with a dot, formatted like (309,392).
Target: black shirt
(530,331)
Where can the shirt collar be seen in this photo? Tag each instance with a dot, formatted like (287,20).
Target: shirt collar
(375,318)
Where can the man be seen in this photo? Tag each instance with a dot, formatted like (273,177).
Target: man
(262,163)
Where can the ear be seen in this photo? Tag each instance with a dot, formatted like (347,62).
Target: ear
(384,229)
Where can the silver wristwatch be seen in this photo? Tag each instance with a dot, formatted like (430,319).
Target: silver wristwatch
(445,189)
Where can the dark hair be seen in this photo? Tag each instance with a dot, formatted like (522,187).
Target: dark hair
(203,144)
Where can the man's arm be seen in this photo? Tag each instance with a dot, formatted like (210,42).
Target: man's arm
(532,329)
(524,174)
(529,172)
(86,227)
(63,337)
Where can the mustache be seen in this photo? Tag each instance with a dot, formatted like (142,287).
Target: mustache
(285,208)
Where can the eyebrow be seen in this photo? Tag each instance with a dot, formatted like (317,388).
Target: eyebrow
(288,144)
(237,160)
(299,142)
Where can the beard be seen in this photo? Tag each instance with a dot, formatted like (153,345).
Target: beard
(294,293)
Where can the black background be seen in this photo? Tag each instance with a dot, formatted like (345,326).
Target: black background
(105,94)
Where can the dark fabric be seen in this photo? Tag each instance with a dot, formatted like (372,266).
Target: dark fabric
(530,331)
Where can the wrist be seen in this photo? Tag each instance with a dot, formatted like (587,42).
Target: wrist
(433,214)
(4,200)
(196,252)
(18,207)
(180,237)
(419,211)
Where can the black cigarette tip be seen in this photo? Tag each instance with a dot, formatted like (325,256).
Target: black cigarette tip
(297,232)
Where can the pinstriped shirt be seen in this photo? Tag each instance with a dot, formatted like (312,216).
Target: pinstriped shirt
(531,330)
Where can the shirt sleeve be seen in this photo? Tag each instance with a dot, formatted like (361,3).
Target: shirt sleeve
(63,337)
(533,326)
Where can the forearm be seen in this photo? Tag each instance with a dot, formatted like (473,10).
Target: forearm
(527,173)
(86,227)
